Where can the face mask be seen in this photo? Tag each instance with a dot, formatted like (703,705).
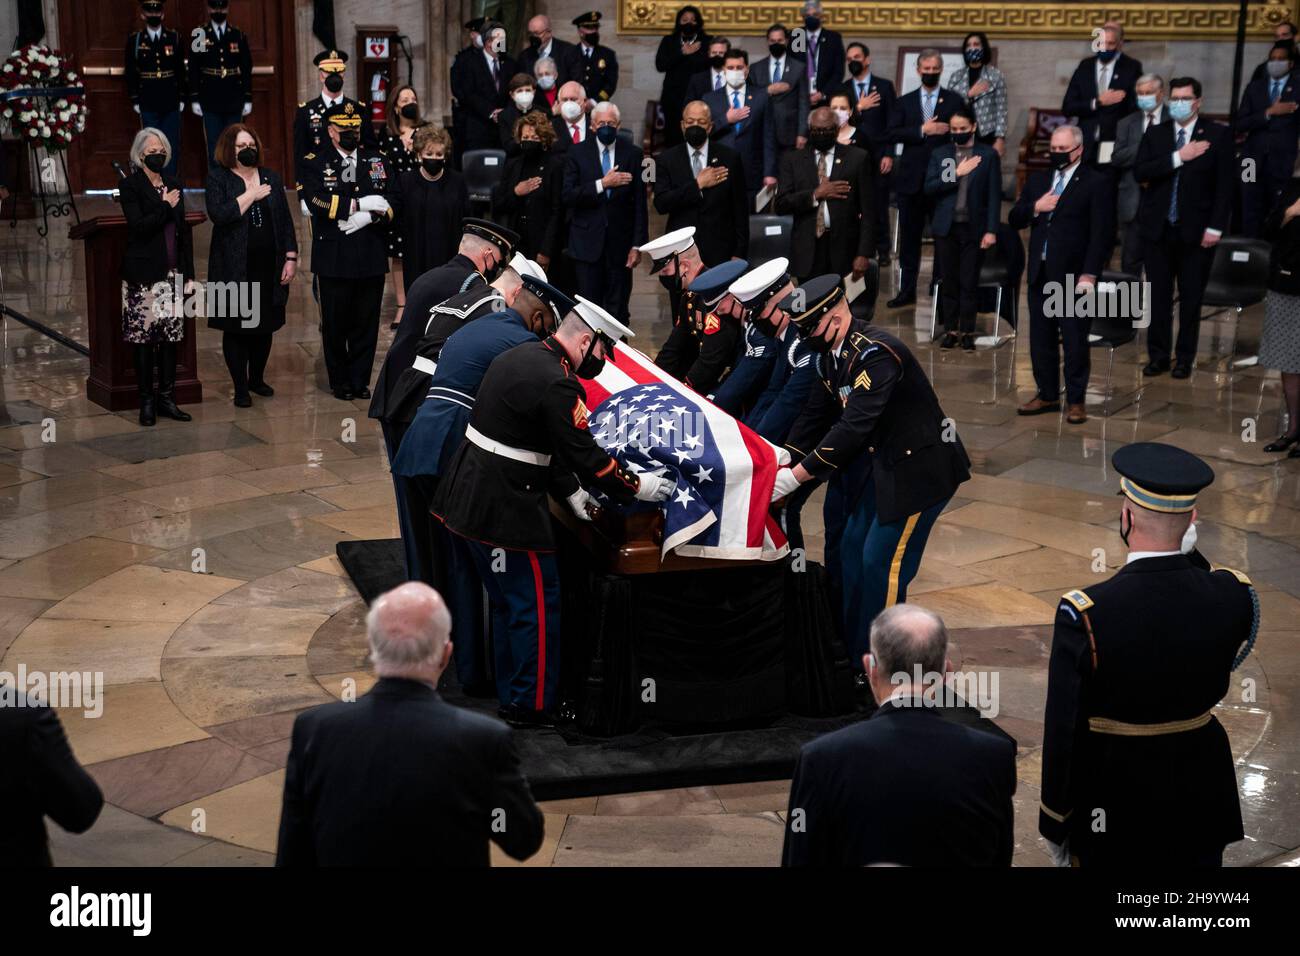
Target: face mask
(247,156)
(1107,55)
(717,61)
(1125,530)
(974,55)
(591,364)
(530,147)
(929,80)
(218,18)
(816,344)
(1146,102)
(735,78)
(334,82)
(688,32)
(821,140)
(1059,160)
(348,140)
(812,23)
(696,136)
(856,67)
(766,326)
(607,134)
(571,110)
(493,271)
(776,49)
(154,22)
(534,43)
(1278,68)
(1189,539)
(963,139)
(523,101)
(155,162)
(478,41)
(842,117)
(592,38)
(1180,110)
(433,166)
(411,111)
(546,81)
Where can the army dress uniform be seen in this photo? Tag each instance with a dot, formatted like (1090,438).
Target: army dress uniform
(221,80)
(350,266)
(309,132)
(594,66)
(1136,768)
(874,430)
(155,79)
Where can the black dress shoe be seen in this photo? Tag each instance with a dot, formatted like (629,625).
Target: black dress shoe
(243,401)
(1181,371)
(902,299)
(1282,443)
(1155,368)
(147,416)
(362,392)
(343,394)
(523,719)
(950,340)
(261,388)
(968,341)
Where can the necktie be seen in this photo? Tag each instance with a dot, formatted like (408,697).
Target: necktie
(605,164)
(717,81)
(812,60)
(1173,195)
(1275,91)
(823,211)
(697,163)
(927,107)
(576,136)
(735,104)
(1103,78)
(1058,187)
(496,74)
(862,90)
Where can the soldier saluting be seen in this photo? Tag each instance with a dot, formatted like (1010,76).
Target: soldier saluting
(309,133)
(155,77)
(1136,768)
(221,74)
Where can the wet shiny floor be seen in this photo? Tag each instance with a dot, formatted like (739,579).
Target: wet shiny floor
(101,529)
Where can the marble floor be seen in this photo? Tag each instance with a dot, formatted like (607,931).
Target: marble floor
(103,529)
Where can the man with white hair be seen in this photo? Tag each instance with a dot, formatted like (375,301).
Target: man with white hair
(909,786)
(400,777)
(606,194)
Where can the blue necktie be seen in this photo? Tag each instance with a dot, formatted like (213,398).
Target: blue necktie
(927,107)
(1057,189)
(606,162)
(717,81)
(1173,196)
(862,90)
(735,103)
(1275,91)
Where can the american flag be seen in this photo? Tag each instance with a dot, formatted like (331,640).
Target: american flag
(723,470)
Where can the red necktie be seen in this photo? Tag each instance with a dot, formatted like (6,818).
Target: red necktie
(575,133)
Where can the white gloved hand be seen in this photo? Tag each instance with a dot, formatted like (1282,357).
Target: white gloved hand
(373,204)
(181,108)
(1060,851)
(197,110)
(654,488)
(358,220)
(578,501)
(785,483)
(305,210)
(136,108)
(248,108)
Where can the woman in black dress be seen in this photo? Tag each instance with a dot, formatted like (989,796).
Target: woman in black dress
(527,199)
(157,266)
(681,55)
(399,157)
(428,205)
(253,242)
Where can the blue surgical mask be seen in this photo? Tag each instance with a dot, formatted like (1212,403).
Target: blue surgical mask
(1180,110)
(1107,55)
(607,134)
(1146,102)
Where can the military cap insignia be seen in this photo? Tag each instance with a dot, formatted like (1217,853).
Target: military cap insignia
(579,414)
(1078,599)
(863,381)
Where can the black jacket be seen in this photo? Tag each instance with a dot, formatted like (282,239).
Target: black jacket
(41,777)
(720,213)
(1078,233)
(538,217)
(1284,257)
(329,193)
(1098,122)
(221,74)
(983,192)
(1270,140)
(598,73)
(145,260)
(483,97)
(155,71)
(1206,185)
(402,778)
(829,71)
(906,786)
(678,68)
(598,222)
(873,125)
(228,256)
(789,110)
(905,127)
(853,220)
(528,57)
(311,136)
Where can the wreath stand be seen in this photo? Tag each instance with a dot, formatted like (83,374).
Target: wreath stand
(56,205)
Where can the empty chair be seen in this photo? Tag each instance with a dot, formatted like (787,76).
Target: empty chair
(1114,326)
(482,169)
(769,237)
(1238,278)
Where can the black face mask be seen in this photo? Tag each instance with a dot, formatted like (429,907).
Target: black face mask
(817,344)
(856,67)
(334,82)
(218,18)
(493,272)
(530,147)
(433,166)
(1124,532)
(411,111)
(765,326)
(247,156)
(689,32)
(822,140)
(1059,160)
(776,49)
(154,22)
(155,162)
(963,139)
(695,136)
(717,62)
(929,80)
(534,43)
(812,23)
(591,364)
(348,140)
(592,38)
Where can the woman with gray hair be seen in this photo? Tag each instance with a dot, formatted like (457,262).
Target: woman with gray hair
(157,265)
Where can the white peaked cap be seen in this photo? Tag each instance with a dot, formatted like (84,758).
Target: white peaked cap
(600,321)
(527,267)
(670,243)
(756,281)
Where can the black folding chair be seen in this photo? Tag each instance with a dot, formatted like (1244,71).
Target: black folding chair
(769,237)
(1115,325)
(482,169)
(1238,279)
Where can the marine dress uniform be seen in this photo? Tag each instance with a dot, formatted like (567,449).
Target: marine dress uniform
(220,77)
(155,77)
(1136,768)
(344,190)
(309,132)
(875,430)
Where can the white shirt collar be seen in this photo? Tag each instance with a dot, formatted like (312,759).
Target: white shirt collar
(545,50)
(1139,555)
(331,100)
(154,34)
(739,89)
(1188,126)
(488,56)
(346,157)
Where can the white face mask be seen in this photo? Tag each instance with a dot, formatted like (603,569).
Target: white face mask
(1189,539)
(478,40)
(546,81)
(523,100)
(735,78)
(842,116)
(571,110)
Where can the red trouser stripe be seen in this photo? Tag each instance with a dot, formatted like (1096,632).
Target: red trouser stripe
(541,628)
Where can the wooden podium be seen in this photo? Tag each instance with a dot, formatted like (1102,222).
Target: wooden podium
(112,382)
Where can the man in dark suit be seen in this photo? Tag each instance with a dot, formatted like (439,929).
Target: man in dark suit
(823,56)
(698,183)
(604,190)
(1101,91)
(459,67)
(909,786)
(874,101)
(542,43)
(920,124)
(710,79)
(486,76)
(1269,119)
(742,121)
(1070,211)
(1188,173)
(1283,31)
(571,124)
(965,182)
(42,778)
(1151,111)
(400,777)
(829,189)
(785,80)
(592,65)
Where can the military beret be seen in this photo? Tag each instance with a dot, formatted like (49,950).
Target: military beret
(501,237)
(712,284)
(1161,477)
(813,300)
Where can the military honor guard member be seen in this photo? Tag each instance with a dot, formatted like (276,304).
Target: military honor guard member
(677,260)
(592,65)
(309,133)
(875,430)
(220,76)
(344,186)
(714,316)
(757,355)
(155,77)
(528,437)
(1136,768)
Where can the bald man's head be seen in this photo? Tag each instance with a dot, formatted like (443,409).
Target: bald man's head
(408,629)
(573,90)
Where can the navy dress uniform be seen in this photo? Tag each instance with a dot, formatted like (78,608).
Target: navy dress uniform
(344,190)
(758,352)
(592,65)
(155,77)
(435,434)
(1136,768)
(220,76)
(309,132)
(528,435)
(875,429)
